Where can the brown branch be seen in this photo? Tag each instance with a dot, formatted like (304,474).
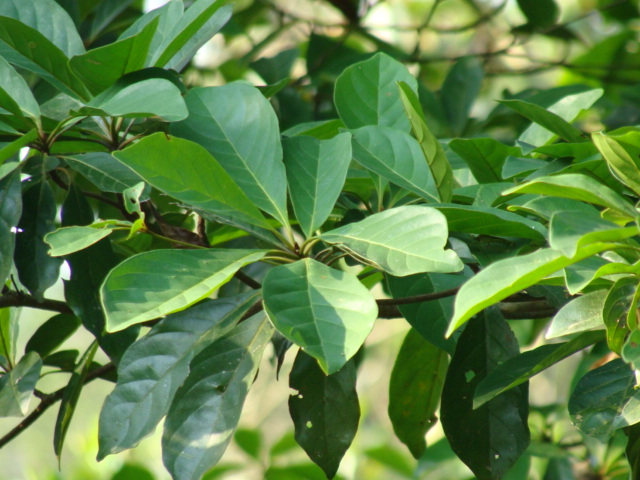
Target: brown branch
(20,299)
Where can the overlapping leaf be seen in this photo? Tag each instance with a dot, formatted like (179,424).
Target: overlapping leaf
(580,314)
(10,211)
(15,95)
(16,386)
(104,171)
(619,160)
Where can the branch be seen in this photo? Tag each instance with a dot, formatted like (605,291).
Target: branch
(20,299)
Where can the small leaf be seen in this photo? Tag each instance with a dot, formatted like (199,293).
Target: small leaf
(366,93)
(485,157)
(620,162)
(52,333)
(154,367)
(9,329)
(401,241)
(630,351)
(327,312)
(16,386)
(580,314)
(206,408)
(15,94)
(325,411)
(397,156)
(155,283)
(459,91)
(490,439)
(521,368)
(414,390)
(619,311)
(316,171)
(68,240)
(104,171)
(10,212)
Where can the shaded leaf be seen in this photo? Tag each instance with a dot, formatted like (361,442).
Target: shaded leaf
(52,333)
(10,212)
(16,386)
(250,441)
(15,94)
(485,157)
(325,411)
(541,14)
(459,91)
(326,312)
(620,162)
(619,311)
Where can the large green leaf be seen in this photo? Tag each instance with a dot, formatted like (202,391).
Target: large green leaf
(619,161)
(237,125)
(36,269)
(327,312)
(199,182)
(325,410)
(153,284)
(521,368)
(401,241)
(153,368)
(366,93)
(316,171)
(10,212)
(580,314)
(16,386)
(434,154)
(605,400)
(459,91)
(485,157)
(619,311)
(414,390)
(577,187)
(206,408)
(508,276)
(104,171)
(15,94)
(489,439)
(397,156)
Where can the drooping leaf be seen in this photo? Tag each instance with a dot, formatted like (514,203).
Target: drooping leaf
(199,182)
(414,390)
(521,368)
(104,171)
(619,161)
(10,212)
(459,91)
(70,398)
(619,311)
(15,94)
(605,400)
(316,171)
(325,411)
(36,269)
(485,157)
(52,333)
(238,126)
(580,314)
(489,439)
(366,93)
(16,386)
(401,241)
(154,367)
(206,408)
(326,312)
(156,283)
(396,156)
(433,153)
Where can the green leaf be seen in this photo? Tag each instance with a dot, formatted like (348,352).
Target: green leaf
(316,171)
(201,182)
(401,241)
(459,91)
(36,269)
(568,231)
(52,333)
(580,314)
(546,119)
(397,156)
(414,390)
(153,284)
(326,312)
(103,66)
(633,449)
(434,154)
(485,157)
(577,187)
(12,150)
(508,276)
(16,386)
(9,329)
(325,411)
(208,404)
(104,14)
(366,93)
(521,368)
(154,367)
(104,171)
(68,240)
(490,221)
(620,162)
(630,352)
(541,15)
(70,398)
(10,211)
(237,125)
(605,399)
(619,311)
(15,94)
(489,439)
(322,130)
(249,441)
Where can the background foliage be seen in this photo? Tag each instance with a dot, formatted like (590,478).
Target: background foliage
(259,210)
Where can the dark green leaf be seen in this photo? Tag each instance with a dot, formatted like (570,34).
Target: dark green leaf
(459,91)
(52,333)
(10,211)
(36,269)
(16,386)
(366,93)
(250,441)
(619,311)
(133,472)
(489,439)
(325,411)
(580,314)
(540,14)
(484,156)
(327,312)
(9,329)
(15,95)
(153,368)
(633,449)
(414,390)
(209,402)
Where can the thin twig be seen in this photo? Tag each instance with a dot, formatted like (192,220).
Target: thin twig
(20,299)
